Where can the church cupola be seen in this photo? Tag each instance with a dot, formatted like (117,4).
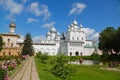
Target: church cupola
(48,33)
(81,26)
(53,30)
(12,27)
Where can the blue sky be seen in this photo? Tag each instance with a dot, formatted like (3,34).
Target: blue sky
(37,16)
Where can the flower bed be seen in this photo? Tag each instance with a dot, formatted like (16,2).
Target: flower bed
(8,65)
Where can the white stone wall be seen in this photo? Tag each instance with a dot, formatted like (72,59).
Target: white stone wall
(49,49)
(88,51)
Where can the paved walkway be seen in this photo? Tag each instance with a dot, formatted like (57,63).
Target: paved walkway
(28,71)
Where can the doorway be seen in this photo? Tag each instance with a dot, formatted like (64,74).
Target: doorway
(76,53)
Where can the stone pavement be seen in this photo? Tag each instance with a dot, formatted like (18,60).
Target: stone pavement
(28,71)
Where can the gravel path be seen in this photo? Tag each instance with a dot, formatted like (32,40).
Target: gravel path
(28,71)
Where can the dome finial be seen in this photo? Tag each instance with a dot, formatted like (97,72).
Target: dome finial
(75,22)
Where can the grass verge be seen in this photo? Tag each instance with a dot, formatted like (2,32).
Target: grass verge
(83,72)
(44,71)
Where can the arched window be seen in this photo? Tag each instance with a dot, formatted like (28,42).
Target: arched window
(72,38)
(12,44)
(9,53)
(8,40)
(3,53)
(82,38)
(70,53)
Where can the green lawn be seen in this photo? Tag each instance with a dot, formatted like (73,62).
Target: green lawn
(82,72)
(43,71)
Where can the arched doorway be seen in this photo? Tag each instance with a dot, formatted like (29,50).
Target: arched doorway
(76,53)
(70,53)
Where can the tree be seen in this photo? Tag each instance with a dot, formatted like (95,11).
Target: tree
(27,48)
(1,43)
(106,39)
(117,40)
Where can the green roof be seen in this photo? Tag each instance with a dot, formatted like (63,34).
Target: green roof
(88,46)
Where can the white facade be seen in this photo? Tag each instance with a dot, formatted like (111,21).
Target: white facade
(73,43)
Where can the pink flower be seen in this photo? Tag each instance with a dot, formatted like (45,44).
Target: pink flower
(6,77)
(4,67)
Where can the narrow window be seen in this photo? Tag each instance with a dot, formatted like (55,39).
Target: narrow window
(9,53)
(73,38)
(8,40)
(70,53)
(12,45)
(3,53)
(81,53)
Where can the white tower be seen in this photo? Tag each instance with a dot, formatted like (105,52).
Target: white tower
(12,27)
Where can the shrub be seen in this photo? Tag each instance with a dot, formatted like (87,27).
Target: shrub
(2,73)
(62,69)
(105,57)
(95,56)
(43,57)
(39,54)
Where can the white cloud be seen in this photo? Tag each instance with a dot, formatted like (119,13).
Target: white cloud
(77,8)
(88,31)
(37,39)
(12,6)
(48,25)
(31,20)
(95,37)
(39,10)
(91,34)
(21,39)
(24,1)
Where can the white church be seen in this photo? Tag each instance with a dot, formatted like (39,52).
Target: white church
(74,42)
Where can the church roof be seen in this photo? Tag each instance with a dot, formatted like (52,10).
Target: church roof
(9,34)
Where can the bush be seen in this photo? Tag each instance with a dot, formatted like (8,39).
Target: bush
(73,58)
(43,57)
(105,57)
(2,73)
(39,54)
(95,56)
(62,69)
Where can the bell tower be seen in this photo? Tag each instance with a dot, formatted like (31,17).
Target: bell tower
(12,27)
